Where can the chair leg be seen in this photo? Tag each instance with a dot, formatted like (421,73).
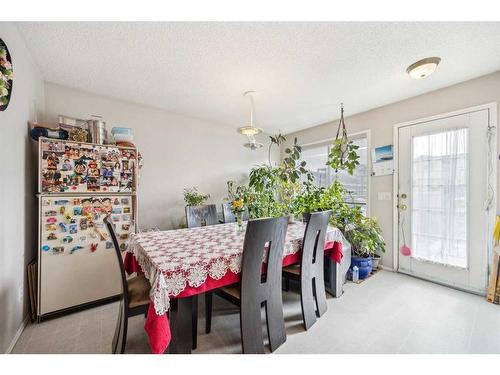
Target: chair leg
(307,302)
(195,322)
(116,337)
(320,295)
(208,311)
(275,320)
(124,335)
(252,341)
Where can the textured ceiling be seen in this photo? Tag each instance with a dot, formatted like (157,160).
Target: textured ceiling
(301,71)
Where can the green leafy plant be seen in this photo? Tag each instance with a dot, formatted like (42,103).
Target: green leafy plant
(193,198)
(309,200)
(343,156)
(365,237)
(6,75)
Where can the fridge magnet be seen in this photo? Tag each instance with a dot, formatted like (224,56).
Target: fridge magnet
(58,250)
(86,206)
(80,167)
(45,248)
(93,235)
(76,248)
(99,225)
(101,235)
(69,219)
(96,206)
(77,211)
(124,236)
(51,220)
(67,239)
(109,244)
(63,227)
(83,238)
(115,218)
(50,213)
(77,201)
(50,227)
(93,247)
(73,228)
(106,205)
(61,202)
(51,237)
(125,226)
(123,246)
(93,169)
(107,171)
(93,184)
(124,200)
(117,210)
(126,217)
(62,210)
(84,224)
(66,165)
(116,202)
(47,202)
(126,210)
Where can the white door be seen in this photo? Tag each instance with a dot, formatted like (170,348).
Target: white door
(443,179)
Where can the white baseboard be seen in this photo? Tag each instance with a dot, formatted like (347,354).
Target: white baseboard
(387,268)
(18,334)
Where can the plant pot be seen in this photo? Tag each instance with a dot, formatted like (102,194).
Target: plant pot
(364,266)
(376,261)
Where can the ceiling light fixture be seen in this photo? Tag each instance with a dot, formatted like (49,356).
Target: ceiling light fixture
(251,130)
(423,68)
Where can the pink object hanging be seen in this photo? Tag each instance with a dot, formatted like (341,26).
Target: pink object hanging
(405,250)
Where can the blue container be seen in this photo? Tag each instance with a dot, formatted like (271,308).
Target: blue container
(364,265)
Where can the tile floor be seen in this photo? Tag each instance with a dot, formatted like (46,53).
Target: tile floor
(389,313)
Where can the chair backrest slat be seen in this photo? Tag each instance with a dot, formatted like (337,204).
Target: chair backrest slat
(198,216)
(313,242)
(259,233)
(229,217)
(111,229)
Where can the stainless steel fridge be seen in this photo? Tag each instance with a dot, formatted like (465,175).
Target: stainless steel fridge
(79,184)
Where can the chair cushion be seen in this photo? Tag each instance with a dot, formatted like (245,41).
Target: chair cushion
(138,291)
(294,269)
(232,290)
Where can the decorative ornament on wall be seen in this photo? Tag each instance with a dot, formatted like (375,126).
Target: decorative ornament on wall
(6,76)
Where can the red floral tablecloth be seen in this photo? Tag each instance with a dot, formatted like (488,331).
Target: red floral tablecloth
(185,262)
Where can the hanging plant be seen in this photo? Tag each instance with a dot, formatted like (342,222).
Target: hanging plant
(6,76)
(343,155)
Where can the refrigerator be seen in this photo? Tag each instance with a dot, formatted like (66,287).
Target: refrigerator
(79,184)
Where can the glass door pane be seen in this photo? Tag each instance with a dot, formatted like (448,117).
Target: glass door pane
(439,197)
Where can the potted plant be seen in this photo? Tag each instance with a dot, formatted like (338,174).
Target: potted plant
(193,198)
(366,240)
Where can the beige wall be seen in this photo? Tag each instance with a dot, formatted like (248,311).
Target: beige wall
(380,121)
(17,199)
(178,151)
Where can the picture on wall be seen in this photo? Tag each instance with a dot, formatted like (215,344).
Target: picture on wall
(6,76)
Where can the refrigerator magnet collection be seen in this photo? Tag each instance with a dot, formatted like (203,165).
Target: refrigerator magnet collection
(79,184)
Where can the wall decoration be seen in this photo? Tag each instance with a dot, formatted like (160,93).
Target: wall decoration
(6,76)
(382,161)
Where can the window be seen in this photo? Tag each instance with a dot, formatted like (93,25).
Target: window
(357,184)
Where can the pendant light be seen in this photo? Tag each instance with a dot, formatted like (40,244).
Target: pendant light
(251,130)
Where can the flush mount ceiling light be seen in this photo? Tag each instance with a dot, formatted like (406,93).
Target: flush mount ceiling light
(423,68)
(251,130)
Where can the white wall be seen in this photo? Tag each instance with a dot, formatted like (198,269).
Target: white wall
(178,151)
(478,91)
(17,200)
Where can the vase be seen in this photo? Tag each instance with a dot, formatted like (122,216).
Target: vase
(364,265)
(239,221)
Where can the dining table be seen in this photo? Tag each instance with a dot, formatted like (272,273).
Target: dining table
(181,264)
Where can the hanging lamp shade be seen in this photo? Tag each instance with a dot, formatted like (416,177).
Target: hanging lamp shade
(251,130)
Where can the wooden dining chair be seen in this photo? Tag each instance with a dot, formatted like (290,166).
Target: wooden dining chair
(257,289)
(134,297)
(200,216)
(228,215)
(310,273)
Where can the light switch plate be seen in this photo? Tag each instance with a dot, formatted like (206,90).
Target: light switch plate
(384,196)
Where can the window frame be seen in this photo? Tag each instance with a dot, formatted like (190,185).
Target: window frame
(353,136)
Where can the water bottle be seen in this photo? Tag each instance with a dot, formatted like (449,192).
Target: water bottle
(355,274)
